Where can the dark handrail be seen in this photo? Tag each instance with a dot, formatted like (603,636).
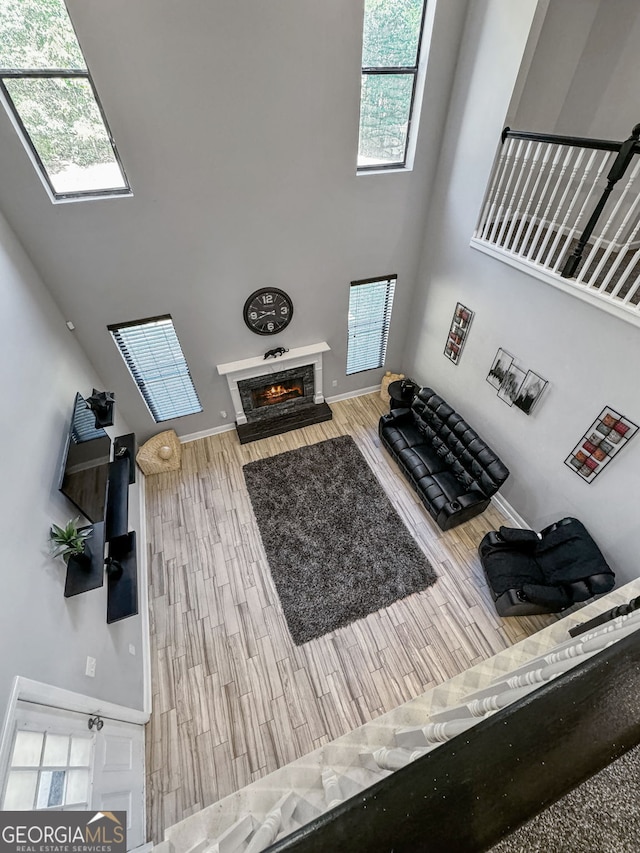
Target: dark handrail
(481,785)
(607,616)
(574,141)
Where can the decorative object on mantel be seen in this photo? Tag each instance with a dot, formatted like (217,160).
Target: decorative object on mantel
(268,311)
(387,379)
(336,547)
(274,353)
(161,453)
(604,439)
(68,542)
(515,386)
(101,404)
(458,332)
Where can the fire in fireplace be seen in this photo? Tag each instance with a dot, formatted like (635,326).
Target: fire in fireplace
(278,392)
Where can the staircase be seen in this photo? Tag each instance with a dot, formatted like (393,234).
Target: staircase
(263,813)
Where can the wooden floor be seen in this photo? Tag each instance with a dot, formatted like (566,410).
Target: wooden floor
(233,698)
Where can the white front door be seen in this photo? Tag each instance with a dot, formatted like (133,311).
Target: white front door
(57,763)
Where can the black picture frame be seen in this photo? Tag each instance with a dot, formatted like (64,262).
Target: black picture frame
(501,364)
(530,391)
(604,440)
(513,379)
(458,332)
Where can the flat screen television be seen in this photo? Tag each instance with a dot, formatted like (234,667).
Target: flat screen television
(86,463)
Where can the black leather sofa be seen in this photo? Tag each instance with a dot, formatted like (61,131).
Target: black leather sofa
(451,468)
(531,574)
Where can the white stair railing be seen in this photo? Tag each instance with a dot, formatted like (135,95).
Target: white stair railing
(557,205)
(270,815)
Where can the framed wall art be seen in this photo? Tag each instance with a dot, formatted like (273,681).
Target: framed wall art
(458,332)
(530,392)
(604,439)
(501,364)
(511,383)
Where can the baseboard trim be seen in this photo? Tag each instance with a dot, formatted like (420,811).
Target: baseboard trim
(359,393)
(143,593)
(205,433)
(506,509)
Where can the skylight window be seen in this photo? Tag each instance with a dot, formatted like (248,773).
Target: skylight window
(48,92)
(153,354)
(370,304)
(390,65)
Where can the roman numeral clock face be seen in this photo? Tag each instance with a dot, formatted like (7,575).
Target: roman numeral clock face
(268,311)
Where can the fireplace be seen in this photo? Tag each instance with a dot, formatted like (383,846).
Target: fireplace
(273,393)
(271,396)
(276,394)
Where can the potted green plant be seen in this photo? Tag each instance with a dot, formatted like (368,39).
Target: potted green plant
(69,542)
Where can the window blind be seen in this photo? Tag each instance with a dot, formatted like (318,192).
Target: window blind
(370,304)
(153,354)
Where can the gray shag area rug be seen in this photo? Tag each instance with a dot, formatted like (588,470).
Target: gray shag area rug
(600,816)
(336,547)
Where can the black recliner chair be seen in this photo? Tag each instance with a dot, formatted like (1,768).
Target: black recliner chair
(531,574)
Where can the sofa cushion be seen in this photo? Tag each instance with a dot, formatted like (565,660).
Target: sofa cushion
(401,437)
(432,461)
(451,487)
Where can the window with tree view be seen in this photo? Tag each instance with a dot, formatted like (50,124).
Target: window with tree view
(47,89)
(390,60)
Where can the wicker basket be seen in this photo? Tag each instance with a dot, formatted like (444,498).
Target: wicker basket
(161,453)
(387,379)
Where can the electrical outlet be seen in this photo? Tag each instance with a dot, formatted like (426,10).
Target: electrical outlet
(91,667)
(223,413)
(132,649)
(334,384)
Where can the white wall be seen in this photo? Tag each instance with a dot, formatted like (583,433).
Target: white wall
(44,636)
(588,356)
(588,66)
(237,122)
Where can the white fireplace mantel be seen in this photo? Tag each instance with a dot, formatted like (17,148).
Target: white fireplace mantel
(248,368)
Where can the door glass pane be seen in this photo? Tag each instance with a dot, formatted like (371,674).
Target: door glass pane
(80,752)
(384,118)
(391,32)
(34,34)
(27,749)
(66,128)
(56,750)
(51,789)
(21,790)
(77,787)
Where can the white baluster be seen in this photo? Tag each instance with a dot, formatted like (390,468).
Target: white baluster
(540,171)
(518,215)
(616,244)
(519,171)
(548,220)
(498,175)
(506,171)
(528,246)
(586,204)
(266,833)
(498,219)
(332,793)
(559,227)
(391,759)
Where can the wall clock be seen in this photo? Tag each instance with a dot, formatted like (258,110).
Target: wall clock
(268,311)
